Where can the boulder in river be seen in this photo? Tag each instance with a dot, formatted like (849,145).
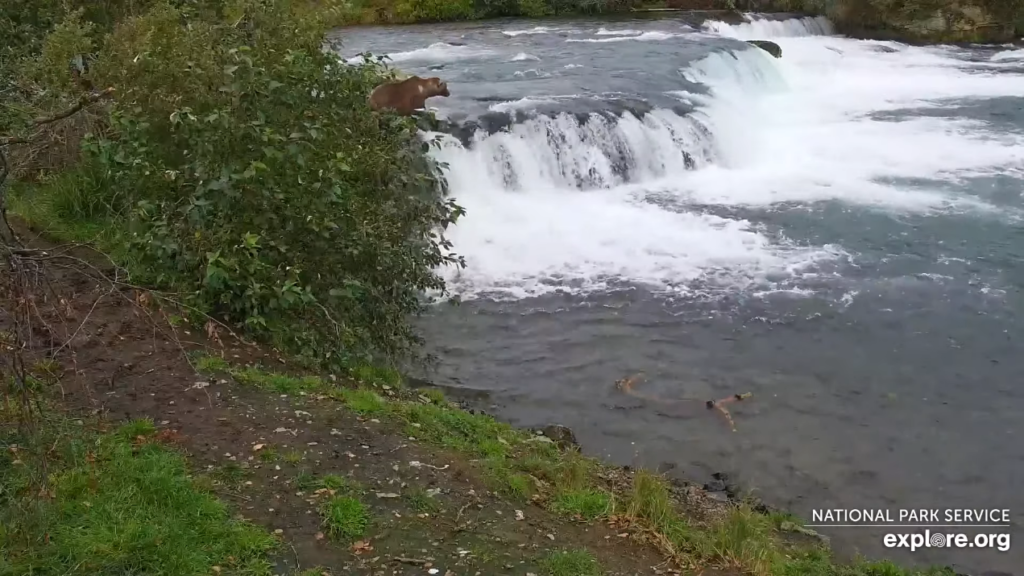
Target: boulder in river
(769,47)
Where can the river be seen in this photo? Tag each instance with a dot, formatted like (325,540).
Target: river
(837,232)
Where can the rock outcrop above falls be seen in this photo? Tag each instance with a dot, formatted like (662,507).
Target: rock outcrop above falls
(929,21)
(769,47)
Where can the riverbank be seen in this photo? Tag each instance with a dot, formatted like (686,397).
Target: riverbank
(135,414)
(926,22)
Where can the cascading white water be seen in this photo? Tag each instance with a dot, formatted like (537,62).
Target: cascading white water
(569,203)
(566,152)
(758,28)
(562,203)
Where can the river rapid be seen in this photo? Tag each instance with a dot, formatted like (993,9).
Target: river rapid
(837,232)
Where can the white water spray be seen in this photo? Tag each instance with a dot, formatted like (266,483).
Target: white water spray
(757,28)
(571,203)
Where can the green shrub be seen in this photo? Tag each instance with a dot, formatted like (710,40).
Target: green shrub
(535,8)
(434,10)
(261,184)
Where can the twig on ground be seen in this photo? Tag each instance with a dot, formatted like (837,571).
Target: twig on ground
(411,561)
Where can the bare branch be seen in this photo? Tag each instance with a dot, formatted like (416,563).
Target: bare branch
(83,102)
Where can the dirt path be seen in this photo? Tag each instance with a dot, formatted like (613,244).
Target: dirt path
(276,457)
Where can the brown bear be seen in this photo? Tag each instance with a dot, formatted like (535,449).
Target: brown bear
(406,96)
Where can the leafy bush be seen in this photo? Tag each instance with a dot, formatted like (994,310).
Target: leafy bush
(434,10)
(408,11)
(248,174)
(271,193)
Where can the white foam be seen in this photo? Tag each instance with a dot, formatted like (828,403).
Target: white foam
(521,104)
(541,239)
(530,31)
(441,52)
(799,129)
(550,205)
(756,28)
(606,32)
(531,73)
(1008,55)
(645,37)
(547,214)
(524,57)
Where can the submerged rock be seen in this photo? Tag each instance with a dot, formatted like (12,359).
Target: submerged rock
(769,47)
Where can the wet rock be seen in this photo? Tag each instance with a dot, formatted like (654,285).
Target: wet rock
(720,496)
(769,47)
(715,486)
(722,482)
(688,161)
(761,508)
(561,435)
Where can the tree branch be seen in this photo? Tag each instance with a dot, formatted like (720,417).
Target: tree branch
(8,238)
(84,101)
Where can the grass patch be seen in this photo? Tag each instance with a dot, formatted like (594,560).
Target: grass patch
(334,482)
(376,375)
(570,563)
(230,476)
(588,504)
(457,429)
(79,501)
(280,383)
(745,539)
(344,518)
(434,395)
(207,363)
(71,206)
(517,464)
(507,481)
(307,481)
(362,401)
(419,501)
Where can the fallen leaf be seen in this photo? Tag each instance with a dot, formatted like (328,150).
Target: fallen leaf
(361,546)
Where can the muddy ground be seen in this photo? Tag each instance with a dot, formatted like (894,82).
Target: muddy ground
(265,453)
